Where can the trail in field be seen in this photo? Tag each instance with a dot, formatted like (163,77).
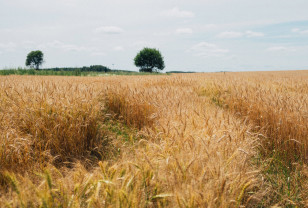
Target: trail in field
(200,154)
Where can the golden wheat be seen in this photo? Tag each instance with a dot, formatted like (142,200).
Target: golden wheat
(193,139)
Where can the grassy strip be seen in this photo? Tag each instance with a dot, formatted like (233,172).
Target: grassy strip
(281,162)
(285,181)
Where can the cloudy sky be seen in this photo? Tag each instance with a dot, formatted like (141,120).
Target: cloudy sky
(192,35)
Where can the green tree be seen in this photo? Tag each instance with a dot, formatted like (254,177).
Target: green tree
(35,59)
(149,60)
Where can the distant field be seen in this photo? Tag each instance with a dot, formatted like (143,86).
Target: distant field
(184,140)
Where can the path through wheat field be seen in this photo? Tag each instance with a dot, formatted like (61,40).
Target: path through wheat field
(185,140)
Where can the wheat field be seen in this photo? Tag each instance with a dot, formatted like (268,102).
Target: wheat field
(181,140)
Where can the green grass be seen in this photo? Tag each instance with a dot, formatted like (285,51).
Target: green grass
(285,179)
(119,130)
(77,72)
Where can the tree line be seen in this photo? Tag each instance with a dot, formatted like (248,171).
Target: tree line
(148,60)
(92,68)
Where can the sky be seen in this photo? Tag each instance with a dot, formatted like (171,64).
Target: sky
(192,35)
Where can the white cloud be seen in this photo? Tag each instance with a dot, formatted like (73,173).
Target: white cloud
(184,31)
(281,49)
(299,31)
(277,48)
(206,49)
(247,34)
(295,30)
(230,34)
(109,30)
(118,48)
(251,34)
(176,12)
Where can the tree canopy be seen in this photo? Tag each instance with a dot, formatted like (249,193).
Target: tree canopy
(149,60)
(35,59)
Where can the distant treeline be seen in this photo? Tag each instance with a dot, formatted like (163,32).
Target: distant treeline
(181,72)
(73,71)
(93,68)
